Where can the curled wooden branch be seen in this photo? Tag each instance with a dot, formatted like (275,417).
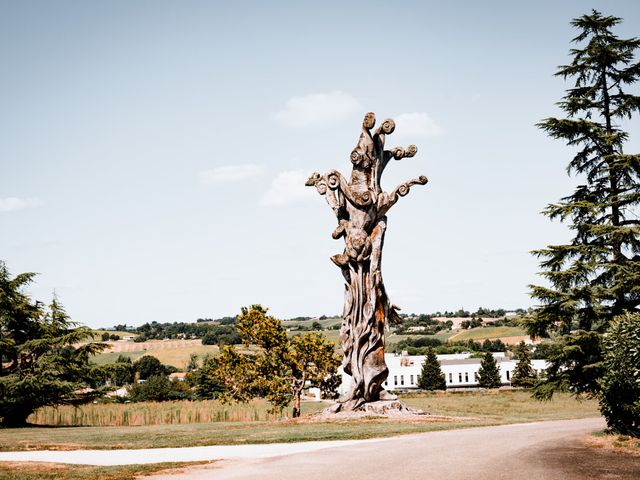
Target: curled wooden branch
(386,201)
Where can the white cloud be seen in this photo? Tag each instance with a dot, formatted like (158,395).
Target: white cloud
(288,188)
(10,204)
(231,173)
(317,109)
(417,125)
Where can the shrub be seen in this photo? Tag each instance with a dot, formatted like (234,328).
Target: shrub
(159,388)
(620,385)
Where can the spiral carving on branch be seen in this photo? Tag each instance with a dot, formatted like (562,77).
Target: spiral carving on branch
(361,207)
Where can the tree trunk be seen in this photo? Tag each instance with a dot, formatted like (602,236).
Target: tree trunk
(618,306)
(297,394)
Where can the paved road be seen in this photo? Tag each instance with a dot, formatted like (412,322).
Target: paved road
(536,451)
(533,451)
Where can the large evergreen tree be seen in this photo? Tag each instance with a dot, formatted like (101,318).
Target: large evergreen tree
(41,364)
(597,275)
(431,376)
(489,373)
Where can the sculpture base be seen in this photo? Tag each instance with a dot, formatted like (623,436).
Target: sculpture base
(381,408)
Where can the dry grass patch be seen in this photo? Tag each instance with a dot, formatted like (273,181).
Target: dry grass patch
(59,471)
(614,442)
(159,413)
(170,352)
(483,333)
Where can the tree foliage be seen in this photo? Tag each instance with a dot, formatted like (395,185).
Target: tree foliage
(523,374)
(158,388)
(597,275)
(148,366)
(431,376)
(489,373)
(280,369)
(40,362)
(205,379)
(620,384)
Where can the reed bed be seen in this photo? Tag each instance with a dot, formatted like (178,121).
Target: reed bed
(156,413)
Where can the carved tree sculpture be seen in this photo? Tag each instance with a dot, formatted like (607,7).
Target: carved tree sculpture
(361,207)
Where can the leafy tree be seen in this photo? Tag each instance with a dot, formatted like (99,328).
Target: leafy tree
(431,376)
(148,366)
(39,363)
(192,366)
(523,375)
(205,381)
(489,373)
(121,372)
(316,326)
(312,359)
(158,388)
(281,369)
(596,276)
(620,384)
(105,336)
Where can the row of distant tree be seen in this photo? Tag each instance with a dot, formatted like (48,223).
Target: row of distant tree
(213,329)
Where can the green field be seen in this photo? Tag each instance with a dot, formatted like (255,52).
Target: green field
(480,408)
(504,406)
(327,323)
(111,357)
(393,338)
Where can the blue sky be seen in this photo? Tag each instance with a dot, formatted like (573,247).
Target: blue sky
(153,153)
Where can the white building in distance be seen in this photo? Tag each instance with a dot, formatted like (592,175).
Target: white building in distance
(459,369)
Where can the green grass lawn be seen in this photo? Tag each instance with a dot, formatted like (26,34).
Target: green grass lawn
(504,406)
(111,357)
(485,408)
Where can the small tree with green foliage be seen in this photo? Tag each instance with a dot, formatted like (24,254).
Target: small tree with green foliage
(158,388)
(431,376)
(205,379)
(489,373)
(121,372)
(148,366)
(523,375)
(281,369)
(620,384)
